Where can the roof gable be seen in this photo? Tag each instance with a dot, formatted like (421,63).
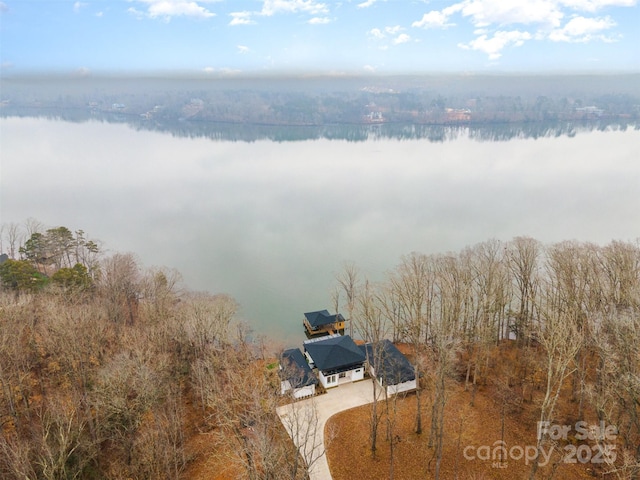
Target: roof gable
(334,352)
(322,317)
(395,366)
(295,369)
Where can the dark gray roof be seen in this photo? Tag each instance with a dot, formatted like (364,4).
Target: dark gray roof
(334,352)
(296,369)
(322,317)
(395,366)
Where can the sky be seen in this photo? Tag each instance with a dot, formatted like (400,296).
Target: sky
(235,37)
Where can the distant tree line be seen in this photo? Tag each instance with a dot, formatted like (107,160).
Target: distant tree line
(322,102)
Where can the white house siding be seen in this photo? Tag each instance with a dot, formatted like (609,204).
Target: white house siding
(401,387)
(357,374)
(301,392)
(393,389)
(329,381)
(285,386)
(334,380)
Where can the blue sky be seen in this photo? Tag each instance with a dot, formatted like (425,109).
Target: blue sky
(234,37)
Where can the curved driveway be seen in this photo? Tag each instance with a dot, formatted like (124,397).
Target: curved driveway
(305,421)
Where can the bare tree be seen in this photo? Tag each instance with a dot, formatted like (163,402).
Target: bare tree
(616,393)
(349,280)
(120,286)
(16,456)
(412,292)
(372,326)
(523,255)
(33,226)
(444,349)
(127,388)
(12,233)
(160,291)
(158,450)
(492,288)
(208,319)
(621,265)
(575,293)
(242,408)
(561,340)
(64,448)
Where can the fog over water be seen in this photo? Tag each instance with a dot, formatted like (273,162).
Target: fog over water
(271,223)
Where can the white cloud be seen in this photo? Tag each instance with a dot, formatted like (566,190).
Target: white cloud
(594,5)
(243,49)
(174,8)
(494,21)
(581,29)
(493,46)
(437,19)
(495,12)
(136,13)
(366,4)
(319,20)
(402,38)
(393,30)
(3,7)
(77,6)
(484,13)
(369,68)
(489,12)
(272,7)
(376,33)
(241,18)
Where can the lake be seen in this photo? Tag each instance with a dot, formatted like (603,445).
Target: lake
(271,223)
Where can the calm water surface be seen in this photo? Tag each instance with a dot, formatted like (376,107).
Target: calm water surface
(271,223)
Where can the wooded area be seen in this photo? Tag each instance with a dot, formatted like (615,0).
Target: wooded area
(110,370)
(571,311)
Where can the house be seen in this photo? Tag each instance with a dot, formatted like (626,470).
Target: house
(322,322)
(296,375)
(389,367)
(337,358)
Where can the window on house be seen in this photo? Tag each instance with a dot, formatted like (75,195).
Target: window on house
(331,379)
(342,375)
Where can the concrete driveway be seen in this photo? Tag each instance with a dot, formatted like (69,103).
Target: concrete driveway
(305,420)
